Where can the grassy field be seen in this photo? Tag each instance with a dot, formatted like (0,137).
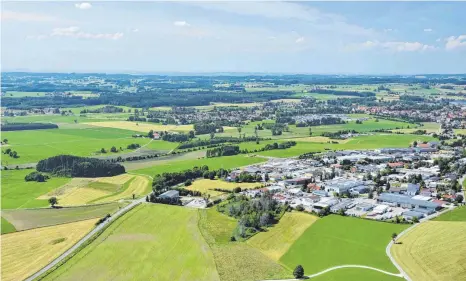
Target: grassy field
(430,127)
(35,145)
(279,238)
(24,219)
(337,240)
(236,260)
(151,242)
(433,250)
(460,131)
(345,274)
(7,227)
(142,126)
(227,162)
(207,186)
(25,252)
(16,94)
(137,165)
(80,191)
(18,193)
(458,214)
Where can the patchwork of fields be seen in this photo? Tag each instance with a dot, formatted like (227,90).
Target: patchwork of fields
(206,186)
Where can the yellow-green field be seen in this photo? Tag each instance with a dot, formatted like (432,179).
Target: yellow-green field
(460,131)
(207,186)
(25,252)
(433,250)
(430,127)
(142,126)
(80,191)
(279,238)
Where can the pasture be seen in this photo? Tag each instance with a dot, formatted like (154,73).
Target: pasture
(276,241)
(18,193)
(337,240)
(429,127)
(236,260)
(24,219)
(359,274)
(6,226)
(226,162)
(433,250)
(150,242)
(206,186)
(142,126)
(16,94)
(458,214)
(36,145)
(25,252)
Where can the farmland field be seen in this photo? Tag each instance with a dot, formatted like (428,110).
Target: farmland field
(236,260)
(25,252)
(24,219)
(7,227)
(430,127)
(142,126)
(18,193)
(35,145)
(458,214)
(146,244)
(226,162)
(433,250)
(336,240)
(359,274)
(207,186)
(276,241)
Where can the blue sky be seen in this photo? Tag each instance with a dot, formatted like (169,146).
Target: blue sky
(274,37)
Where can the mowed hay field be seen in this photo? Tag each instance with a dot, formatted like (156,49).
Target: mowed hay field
(207,186)
(276,241)
(151,242)
(142,126)
(350,274)
(80,191)
(25,252)
(236,260)
(433,250)
(337,240)
(24,219)
(458,214)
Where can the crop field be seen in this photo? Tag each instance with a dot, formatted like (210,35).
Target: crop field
(82,191)
(207,186)
(336,240)
(7,227)
(138,248)
(24,219)
(18,193)
(226,162)
(430,127)
(137,165)
(65,119)
(359,274)
(433,250)
(142,126)
(25,252)
(35,145)
(236,260)
(458,214)
(276,241)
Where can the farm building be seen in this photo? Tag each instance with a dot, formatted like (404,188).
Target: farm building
(171,194)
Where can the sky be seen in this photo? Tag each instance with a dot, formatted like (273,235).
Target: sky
(234,36)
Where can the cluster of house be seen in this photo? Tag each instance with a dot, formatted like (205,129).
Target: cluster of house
(343,181)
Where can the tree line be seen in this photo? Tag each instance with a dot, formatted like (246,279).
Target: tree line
(27,126)
(75,166)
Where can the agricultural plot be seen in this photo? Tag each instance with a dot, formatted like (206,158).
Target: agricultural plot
(276,241)
(146,163)
(24,219)
(143,126)
(16,94)
(236,260)
(360,274)
(25,252)
(226,162)
(337,240)
(206,186)
(168,246)
(433,250)
(36,145)
(7,227)
(138,185)
(18,193)
(458,214)
(429,127)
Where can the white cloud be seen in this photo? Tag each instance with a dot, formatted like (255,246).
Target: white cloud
(428,30)
(394,46)
(455,42)
(438,40)
(75,32)
(181,23)
(299,40)
(135,30)
(83,6)
(16,16)
(388,30)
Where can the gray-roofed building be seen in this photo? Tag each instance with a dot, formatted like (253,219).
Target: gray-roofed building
(410,215)
(412,189)
(406,201)
(171,194)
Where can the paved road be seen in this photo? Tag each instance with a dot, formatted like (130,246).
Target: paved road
(87,237)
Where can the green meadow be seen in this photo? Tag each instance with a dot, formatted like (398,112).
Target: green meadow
(458,214)
(7,227)
(360,274)
(337,240)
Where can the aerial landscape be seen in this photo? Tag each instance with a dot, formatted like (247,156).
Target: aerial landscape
(232,141)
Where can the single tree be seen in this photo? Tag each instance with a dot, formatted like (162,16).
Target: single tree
(53,201)
(113,149)
(310,131)
(239,132)
(5,141)
(394,235)
(298,272)
(102,150)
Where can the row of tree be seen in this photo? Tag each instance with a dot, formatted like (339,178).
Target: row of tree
(75,166)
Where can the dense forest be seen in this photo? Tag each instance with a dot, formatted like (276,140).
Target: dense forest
(74,166)
(27,126)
